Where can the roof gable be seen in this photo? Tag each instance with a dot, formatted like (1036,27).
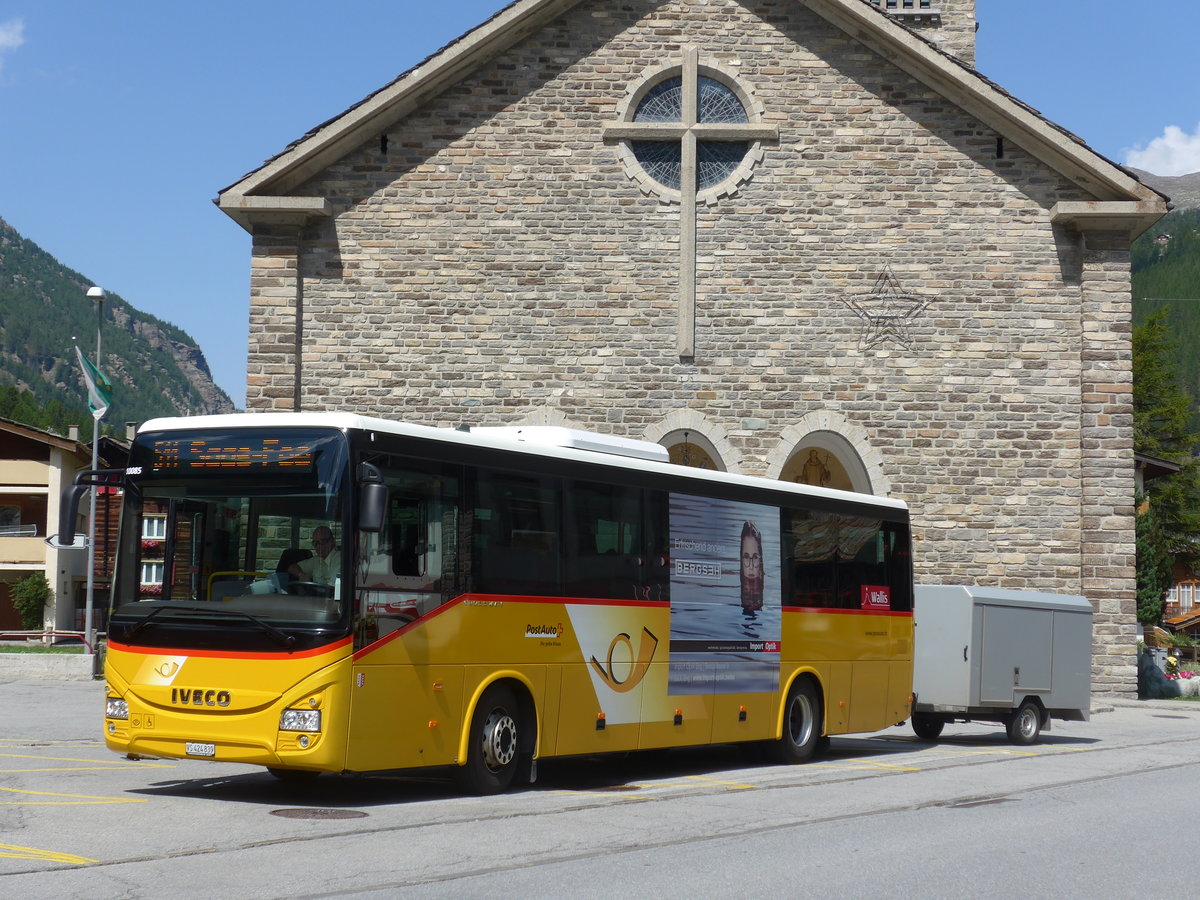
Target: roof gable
(1121,201)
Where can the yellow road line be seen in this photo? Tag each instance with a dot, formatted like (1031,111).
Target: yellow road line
(1003,751)
(12,851)
(115,763)
(101,768)
(736,785)
(606,794)
(864,764)
(71,799)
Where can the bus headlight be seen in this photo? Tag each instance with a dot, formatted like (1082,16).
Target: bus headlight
(300,720)
(116,708)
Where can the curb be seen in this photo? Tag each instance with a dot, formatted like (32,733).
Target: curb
(48,666)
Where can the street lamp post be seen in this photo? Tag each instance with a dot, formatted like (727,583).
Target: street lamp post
(96,294)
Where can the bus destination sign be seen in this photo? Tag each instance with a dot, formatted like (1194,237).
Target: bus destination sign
(246,451)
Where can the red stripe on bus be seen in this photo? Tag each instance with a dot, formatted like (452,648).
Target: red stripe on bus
(499,598)
(848,612)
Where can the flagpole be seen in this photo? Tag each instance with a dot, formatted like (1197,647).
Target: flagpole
(97,294)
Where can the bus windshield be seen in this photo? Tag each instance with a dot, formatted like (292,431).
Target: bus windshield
(233,541)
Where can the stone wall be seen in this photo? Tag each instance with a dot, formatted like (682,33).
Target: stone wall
(492,262)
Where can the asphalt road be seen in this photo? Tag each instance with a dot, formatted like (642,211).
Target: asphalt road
(1098,809)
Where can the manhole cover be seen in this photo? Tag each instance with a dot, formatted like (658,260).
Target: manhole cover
(319,813)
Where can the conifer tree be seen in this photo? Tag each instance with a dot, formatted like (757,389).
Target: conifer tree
(1163,426)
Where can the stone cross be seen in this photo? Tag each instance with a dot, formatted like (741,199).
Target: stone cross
(691,133)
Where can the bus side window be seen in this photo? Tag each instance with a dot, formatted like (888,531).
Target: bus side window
(897,553)
(515,540)
(811,550)
(408,526)
(655,581)
(415,547)
(602,539)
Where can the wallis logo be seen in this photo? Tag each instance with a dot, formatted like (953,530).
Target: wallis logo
(638,666)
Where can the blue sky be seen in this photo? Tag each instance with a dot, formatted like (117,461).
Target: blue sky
(120,121)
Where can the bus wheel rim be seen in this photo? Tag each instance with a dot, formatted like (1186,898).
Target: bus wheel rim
(800,720)
(499,739)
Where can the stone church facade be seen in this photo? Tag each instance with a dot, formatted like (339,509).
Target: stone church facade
(802,239)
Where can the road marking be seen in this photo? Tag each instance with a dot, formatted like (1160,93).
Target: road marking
(625,798)
(1003,751)
(12,851)
(865,764)
(71,799)
(96,766)
(736,785)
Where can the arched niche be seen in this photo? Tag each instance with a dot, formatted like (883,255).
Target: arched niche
(825,449)
(691,439)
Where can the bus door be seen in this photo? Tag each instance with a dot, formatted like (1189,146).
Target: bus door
(186,525)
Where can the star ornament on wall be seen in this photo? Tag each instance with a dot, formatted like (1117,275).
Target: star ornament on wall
(887,313)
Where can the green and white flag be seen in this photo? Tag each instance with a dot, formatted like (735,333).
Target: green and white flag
(99,387)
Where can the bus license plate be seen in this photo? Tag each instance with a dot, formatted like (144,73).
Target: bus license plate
(195,748)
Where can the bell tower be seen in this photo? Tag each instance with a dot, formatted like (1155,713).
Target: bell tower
(948,23)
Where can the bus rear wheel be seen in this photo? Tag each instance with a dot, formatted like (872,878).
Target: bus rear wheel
(493,748)
(801,724)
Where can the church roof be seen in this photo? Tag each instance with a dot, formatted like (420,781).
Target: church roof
(1121,200)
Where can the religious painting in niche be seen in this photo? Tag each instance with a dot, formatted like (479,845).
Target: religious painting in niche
(687,452)
(818,467)
(887,312)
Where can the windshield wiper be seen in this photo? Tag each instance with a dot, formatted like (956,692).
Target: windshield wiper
(287,640)
(283,637)
(145,622)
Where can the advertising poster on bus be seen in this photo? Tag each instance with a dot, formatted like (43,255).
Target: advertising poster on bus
(726,613)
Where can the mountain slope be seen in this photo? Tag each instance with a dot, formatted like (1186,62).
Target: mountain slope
(155,368)
(1184,190)
(1166,274)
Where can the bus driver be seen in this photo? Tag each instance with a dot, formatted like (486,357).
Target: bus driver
(326,562)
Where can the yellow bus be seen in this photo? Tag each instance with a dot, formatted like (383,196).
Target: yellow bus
(346,594)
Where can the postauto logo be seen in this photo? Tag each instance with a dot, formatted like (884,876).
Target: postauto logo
(544,631)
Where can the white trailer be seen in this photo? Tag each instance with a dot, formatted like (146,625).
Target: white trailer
(984,654)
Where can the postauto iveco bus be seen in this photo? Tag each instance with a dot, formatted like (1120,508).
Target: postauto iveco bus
(479,599)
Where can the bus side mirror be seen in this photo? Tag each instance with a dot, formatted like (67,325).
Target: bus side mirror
(68,505)
(372,498)
(68,510)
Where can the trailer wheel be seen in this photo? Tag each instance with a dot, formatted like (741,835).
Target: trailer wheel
(801,724)
(1026,724)
(493,745)
(927,727)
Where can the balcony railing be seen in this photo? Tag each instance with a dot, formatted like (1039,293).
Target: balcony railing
(22,551)
(18,531)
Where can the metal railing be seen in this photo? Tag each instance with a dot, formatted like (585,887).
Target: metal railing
(50,636)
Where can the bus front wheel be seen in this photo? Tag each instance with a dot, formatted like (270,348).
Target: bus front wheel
(493,747)
(801,724)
